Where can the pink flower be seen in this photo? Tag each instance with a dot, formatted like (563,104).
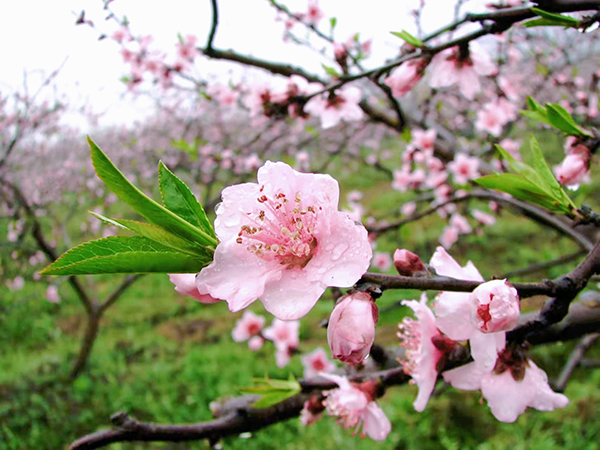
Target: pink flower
(511,146)
(483,218)
(343,104)
(449,67)
(508,395)
(575,167)
(421,357)
(248,326)
(315,362)
(255,343)
(185,284)
(284,334)
(52,294)
(356,408)
(460,223)
(495,306)
(283,241)
(464,168)
(408,208)
(424,140)
(404,77)
(382,261)
(312,411)
(314,14)
(457,312)
(351,329)
(407,263)
(490,119)
(449,236)
(16,284)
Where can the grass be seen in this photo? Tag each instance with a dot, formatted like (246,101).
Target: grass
(164,358)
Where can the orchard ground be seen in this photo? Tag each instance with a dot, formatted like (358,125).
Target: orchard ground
(163,357)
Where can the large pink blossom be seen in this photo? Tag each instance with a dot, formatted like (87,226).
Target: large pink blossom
(456,312)
(507,396)
(421,356)
(448,68)
(356,408)
(284,241)
(351,329)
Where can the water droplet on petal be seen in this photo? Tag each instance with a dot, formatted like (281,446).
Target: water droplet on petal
(338,251)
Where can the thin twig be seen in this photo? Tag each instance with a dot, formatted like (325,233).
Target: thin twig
(574,360)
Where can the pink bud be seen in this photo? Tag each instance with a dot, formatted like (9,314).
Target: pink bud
(496,306)
(407,263)
(351,329)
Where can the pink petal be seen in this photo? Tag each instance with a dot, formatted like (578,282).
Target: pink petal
(236,275)
(485,348)
(467,377)
(376,424)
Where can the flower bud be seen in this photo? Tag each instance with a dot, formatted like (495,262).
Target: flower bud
(496,306)
(407,263)
(351,329)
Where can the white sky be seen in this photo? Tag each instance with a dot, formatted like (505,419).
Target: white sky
(38,35)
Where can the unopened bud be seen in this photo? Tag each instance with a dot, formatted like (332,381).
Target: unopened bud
(351,329)
(407,263)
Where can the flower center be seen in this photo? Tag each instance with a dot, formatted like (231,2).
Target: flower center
(410,338)
(281,230)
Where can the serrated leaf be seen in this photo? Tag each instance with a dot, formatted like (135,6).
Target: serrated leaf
(178,197)
(157,234)
(555,18)
(521,189)
(331,71)
(124,254)
(560,118)
(408,38)
(544,171)
(141,203)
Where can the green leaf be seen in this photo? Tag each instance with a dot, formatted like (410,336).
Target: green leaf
(560,119)
(408,38)
(142,204)
(542,23)
(178,197)
(124,254)
(556,19)
(333,22)
(520,168)
(521,189)
(331,71)
(157,234)
(537,113)
(272,391)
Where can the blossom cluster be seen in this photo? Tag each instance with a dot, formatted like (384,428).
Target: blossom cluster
(508,380)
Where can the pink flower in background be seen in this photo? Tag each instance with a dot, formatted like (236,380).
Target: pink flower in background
(404,77)
(460,223)
(464,168)
(351,329)
(490,119)
(449,236)
(284,241)
(508,396)
(255,343)
(16,284)
(408,263)
(408,208)
(356,409)
(52,294)
(315,362)
(424,139)
(314,14)
(382,261)
(342,105)
(448,68)
(284,334)
(185,284)
(457,313)
(421,356)
(483,218)
(248,326)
